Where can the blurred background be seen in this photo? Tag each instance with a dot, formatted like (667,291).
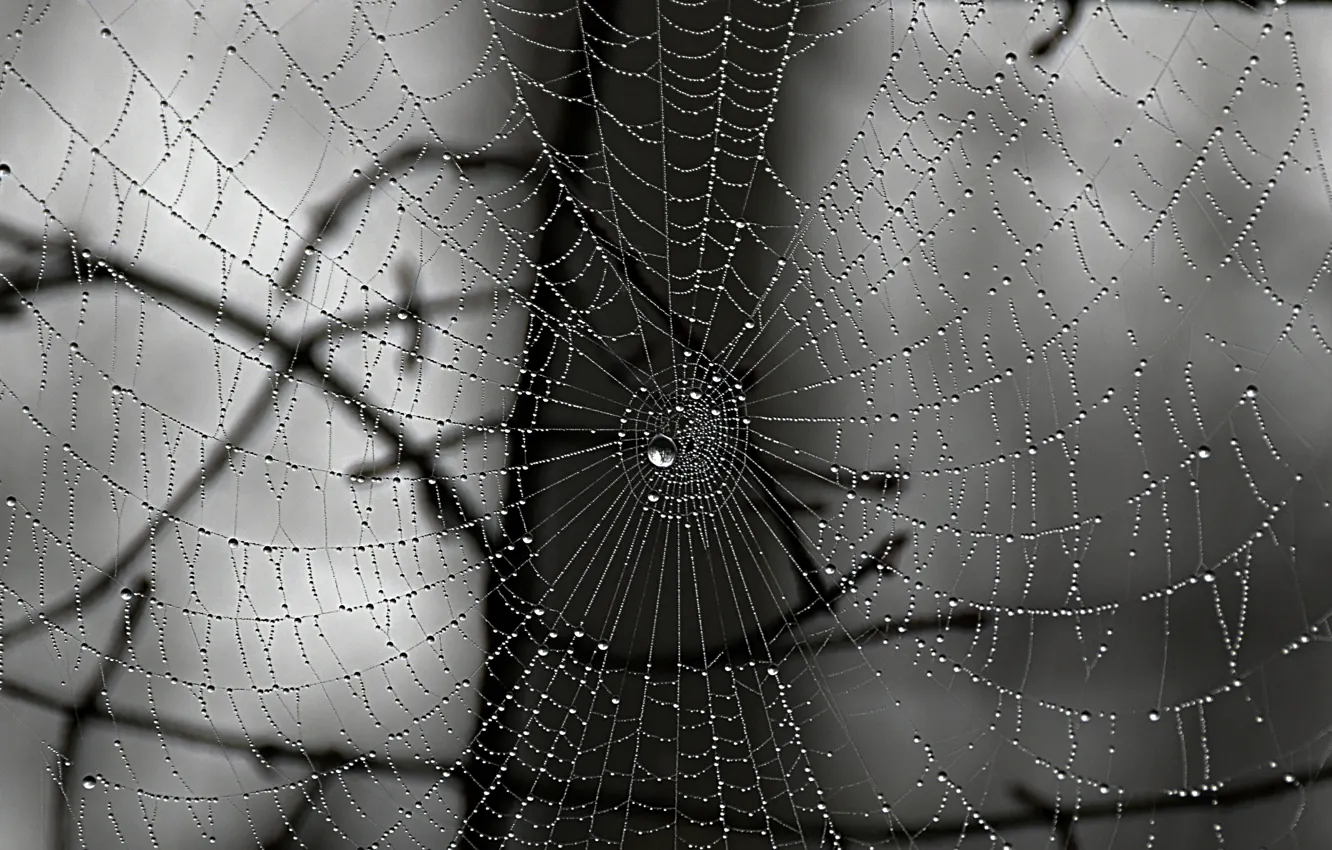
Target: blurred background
(313,314)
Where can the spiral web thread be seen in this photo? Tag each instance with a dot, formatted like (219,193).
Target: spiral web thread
(746,424)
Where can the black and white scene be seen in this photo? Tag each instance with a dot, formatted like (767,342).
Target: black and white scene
(700,424)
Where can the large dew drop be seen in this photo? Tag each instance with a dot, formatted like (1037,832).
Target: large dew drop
(661,451)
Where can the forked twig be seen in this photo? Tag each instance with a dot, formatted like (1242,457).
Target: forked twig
(298,354)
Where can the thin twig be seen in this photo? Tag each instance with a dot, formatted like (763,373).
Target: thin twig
(214,464)
(328,217)
(71,733)
(521,783)
(875,562)
(1063,820)
(298,354)
(772,642)
(597,798)
(324,759)
(1050,42)
(836,638)
(289,833)
(1074,12)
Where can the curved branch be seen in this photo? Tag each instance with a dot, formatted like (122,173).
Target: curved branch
(1034,815)
(773,641)
(467,513)
(329,215)
(520,783)
(266,751)
(215,463)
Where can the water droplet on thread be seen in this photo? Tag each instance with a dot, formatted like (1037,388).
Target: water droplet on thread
(1204,452)
(661,451)
(90,782)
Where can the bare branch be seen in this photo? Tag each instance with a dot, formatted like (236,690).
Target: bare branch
(1063,821)
(328,217)
(110,665)
(597,797)
(771,643)
(266,751)
(775,499)
(288,835)
(107,575)
(874,562)
(838,637)
(1074,10)
(1071,16)
(774,641)
(520,783)
(298,354)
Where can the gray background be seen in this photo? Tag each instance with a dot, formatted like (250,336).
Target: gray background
(1171,299)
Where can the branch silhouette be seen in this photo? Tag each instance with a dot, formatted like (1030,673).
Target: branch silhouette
(508,597)
(108,668)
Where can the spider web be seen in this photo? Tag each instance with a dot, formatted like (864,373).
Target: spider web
(747,424)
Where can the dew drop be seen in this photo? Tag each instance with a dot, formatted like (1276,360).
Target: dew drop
(1010,58)
(1153,715)
(126,594)
(1251,391)
(90,782)
(661,451)
(1204,452)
